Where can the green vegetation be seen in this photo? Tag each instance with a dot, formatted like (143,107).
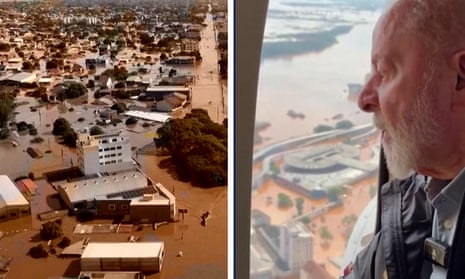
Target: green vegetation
(274,169)
(131,121)
(38,251)
(306,220)
(284,201)
(6,109)
(51,230)
(299,204)
(117,73)
(119,107)
(325,234)
(334,193)
(322,128)
(71,90)
(198,147)
(61,127)
(349,220)
(344,124)
(96,130)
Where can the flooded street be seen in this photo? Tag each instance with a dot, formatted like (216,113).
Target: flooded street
(209,92)
(16,162)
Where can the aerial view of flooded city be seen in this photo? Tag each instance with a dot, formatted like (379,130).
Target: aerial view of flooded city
(113,139)
(315,162)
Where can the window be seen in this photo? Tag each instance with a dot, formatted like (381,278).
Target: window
(306,197)
(118,147)
(112,207)
(124,206)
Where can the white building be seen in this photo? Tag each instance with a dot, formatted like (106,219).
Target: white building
(261,264)
(12,203)
(14,64)
(296,245)
(189,45)
(127,256)
(110,152)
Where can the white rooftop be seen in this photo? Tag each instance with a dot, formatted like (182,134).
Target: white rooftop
(122,249)
(90,188)
(153,116)
(163,88)
(9,193)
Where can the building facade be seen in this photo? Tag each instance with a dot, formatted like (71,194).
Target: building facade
(12,203)
(296,245)
(109,152)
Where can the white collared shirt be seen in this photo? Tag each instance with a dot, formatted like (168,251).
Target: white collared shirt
(447,206)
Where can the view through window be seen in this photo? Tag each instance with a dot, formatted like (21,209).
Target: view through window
(113,139)
(316,154)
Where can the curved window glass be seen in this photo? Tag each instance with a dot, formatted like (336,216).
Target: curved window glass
(315,162)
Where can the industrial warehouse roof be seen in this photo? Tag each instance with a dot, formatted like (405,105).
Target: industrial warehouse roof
(122,249)
(9,193)
(152,116)
(105,186)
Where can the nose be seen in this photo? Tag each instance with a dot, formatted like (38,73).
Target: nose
(368,98)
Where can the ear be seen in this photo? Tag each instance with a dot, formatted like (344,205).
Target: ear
(458,64)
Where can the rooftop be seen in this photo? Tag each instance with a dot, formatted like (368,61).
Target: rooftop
(122,249)
(88,189)
(9,193)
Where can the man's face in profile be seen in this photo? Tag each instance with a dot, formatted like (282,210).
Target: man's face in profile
(400,94)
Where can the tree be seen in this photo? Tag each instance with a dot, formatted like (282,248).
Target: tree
(163,57)
(334,193)
(299,204)
(325,234)
(119,107)
(284,201)
(96,130)
(6,109)
(38,251)
(145,38)
(74,90)
(27,66)
(52,64)
(198,147)
(69,138)
(91,83)
(4,47)
(344,124)
(306,220)
(50,230)
(322,128)
(131,121)
(274,168)
(60,126)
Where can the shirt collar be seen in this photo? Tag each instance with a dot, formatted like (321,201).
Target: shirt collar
(451,191)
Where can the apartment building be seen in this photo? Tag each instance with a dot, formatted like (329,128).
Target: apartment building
(296,245)
(110,152)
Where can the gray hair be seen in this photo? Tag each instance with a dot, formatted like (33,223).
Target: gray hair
(439,24)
